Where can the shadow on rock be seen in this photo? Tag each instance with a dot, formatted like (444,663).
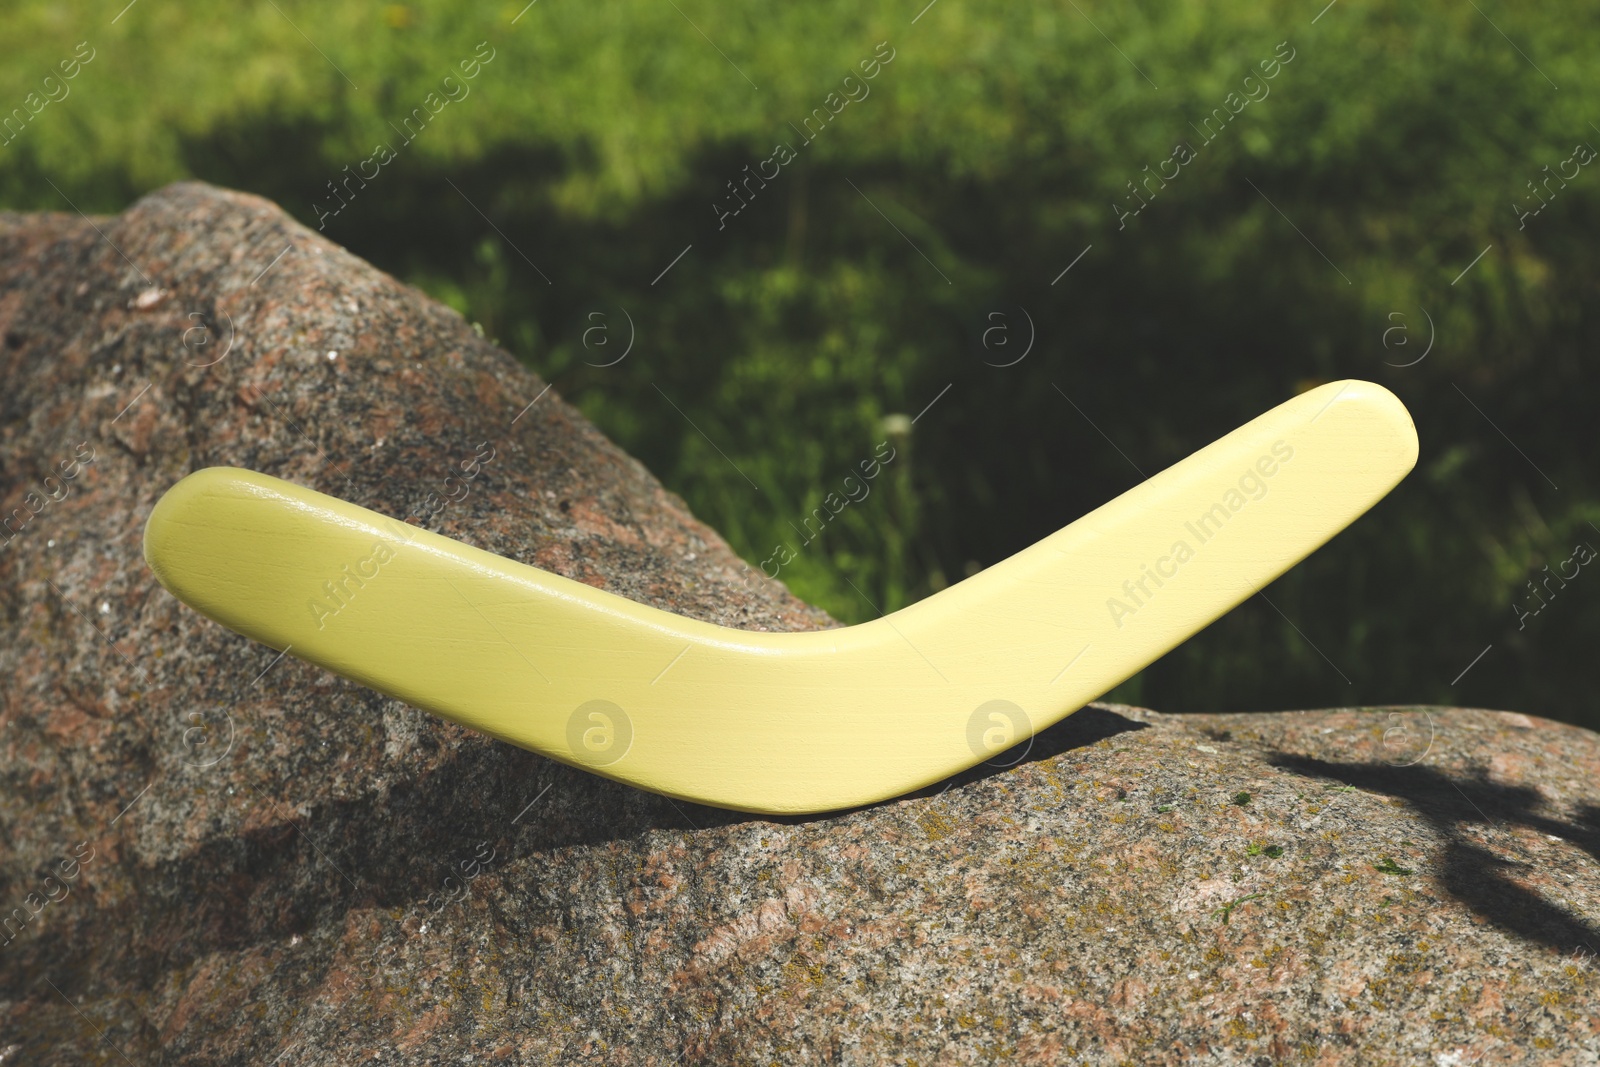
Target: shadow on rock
(1475,876)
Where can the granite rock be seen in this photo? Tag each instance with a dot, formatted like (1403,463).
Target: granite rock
(214,856)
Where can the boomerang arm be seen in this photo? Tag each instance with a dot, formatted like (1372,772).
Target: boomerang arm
(796,722)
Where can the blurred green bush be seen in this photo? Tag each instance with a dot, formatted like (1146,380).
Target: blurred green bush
(917,241)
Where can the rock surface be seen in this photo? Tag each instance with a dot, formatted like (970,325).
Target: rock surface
(214,857)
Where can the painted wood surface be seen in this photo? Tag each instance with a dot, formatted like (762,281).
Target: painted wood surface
(781,722)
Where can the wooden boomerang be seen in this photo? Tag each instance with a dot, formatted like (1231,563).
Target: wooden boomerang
(780,722)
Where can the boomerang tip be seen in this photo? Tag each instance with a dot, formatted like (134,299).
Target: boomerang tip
(1379,412)
(162,543)
(184,545)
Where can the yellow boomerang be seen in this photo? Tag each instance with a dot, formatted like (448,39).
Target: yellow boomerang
(780,722)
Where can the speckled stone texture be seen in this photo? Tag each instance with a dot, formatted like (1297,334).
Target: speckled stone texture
(211,856)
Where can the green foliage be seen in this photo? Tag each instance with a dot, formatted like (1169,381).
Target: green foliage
(861,281)
(1226,911)
(1389,866)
